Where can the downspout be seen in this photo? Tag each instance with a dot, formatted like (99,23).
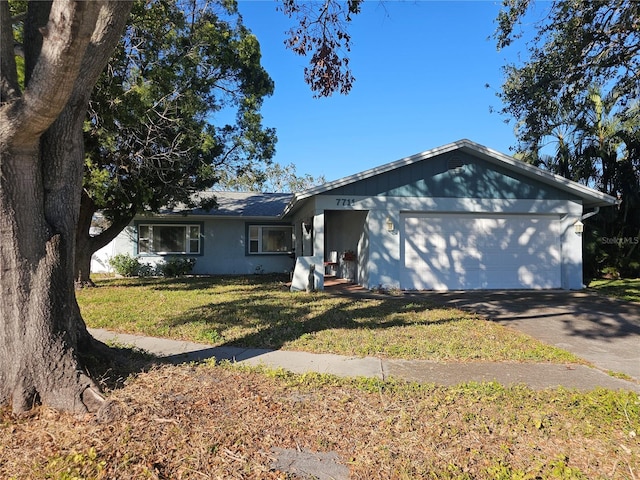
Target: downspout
(590,214)
(579,225)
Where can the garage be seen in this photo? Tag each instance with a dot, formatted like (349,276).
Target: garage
(447,251)
(456,217)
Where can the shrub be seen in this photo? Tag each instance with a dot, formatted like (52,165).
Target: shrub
(176,267)
(125,265)
(146,270)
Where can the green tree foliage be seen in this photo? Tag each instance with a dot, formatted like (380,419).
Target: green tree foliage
(575,106)
(161,124)
(578,43)
(276,178)
(44,342)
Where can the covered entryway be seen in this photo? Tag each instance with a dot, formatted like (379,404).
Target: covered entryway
(487,251)
(346,244)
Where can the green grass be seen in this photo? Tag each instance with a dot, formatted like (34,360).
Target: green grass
(259,312)
(625,289)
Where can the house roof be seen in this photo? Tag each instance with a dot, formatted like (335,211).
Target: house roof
(244,204)
(590,197)
(278,205)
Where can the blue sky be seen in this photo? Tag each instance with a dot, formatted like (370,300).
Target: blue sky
(421,70)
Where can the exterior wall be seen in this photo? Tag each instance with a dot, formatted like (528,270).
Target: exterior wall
(365,214)
(384,250)
(363,255)
(123,243)
(318,234)
(571,252)
(100,259)
(223,249)
(308,274)
(452,175)
(304,237)
(453,182)
(382,260)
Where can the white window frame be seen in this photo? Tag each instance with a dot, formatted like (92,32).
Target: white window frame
(251,238)
(187,240)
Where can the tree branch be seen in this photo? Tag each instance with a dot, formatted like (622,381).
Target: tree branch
(65,38)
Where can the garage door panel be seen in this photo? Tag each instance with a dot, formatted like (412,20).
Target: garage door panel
(459,251)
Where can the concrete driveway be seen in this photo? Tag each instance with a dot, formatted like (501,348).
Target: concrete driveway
(604,331)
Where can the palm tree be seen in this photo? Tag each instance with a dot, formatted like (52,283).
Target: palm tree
(597,143)
(560,133)
(610,158)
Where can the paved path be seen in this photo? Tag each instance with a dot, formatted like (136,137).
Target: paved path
(538,376)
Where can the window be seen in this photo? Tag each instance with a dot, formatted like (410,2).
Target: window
(270,239)
(169,239)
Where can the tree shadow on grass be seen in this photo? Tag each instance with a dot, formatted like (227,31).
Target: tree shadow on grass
(111,365)
(551,316)
(201,282)
(194,282)
(270,325)
(627,289)
(268,319)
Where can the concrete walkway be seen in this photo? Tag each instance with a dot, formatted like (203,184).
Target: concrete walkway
(537,376)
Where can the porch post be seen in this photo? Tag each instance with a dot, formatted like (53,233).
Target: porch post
(318,234)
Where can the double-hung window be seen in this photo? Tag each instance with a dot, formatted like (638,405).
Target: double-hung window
(270,239)
(168,239)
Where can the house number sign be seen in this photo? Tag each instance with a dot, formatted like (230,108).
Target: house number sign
(345,202)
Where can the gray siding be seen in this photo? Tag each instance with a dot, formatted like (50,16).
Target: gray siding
(223,248)
(438,177)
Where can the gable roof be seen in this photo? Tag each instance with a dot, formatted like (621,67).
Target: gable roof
(239,204)
(590,197)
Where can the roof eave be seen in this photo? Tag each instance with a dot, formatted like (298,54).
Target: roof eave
(590,197)
(325,187)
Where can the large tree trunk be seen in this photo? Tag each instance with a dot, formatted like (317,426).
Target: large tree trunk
(40,173)
(38,361)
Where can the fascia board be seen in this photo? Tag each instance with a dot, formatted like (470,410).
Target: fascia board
(591,197)
(325,187)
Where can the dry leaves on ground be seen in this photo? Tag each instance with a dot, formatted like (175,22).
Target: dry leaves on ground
(198,422)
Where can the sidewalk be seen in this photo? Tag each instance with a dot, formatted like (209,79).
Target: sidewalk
(537,375)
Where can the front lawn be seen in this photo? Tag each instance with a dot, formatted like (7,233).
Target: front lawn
(625,289)
(259,312)
(195,421)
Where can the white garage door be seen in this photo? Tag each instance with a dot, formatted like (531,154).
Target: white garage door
(464,251)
